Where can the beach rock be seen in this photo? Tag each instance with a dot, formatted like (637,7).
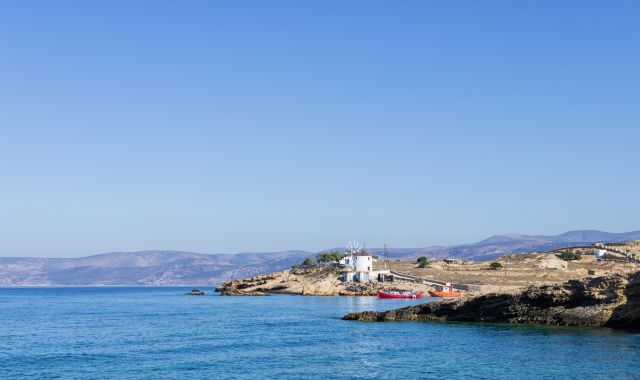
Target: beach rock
(611,301)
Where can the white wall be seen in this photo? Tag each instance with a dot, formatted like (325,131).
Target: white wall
(363,263)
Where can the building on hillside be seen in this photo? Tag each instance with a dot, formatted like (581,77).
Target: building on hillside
(347,260)
(358,264)
(599,253)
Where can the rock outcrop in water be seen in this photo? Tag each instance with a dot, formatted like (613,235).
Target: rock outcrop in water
(608,301)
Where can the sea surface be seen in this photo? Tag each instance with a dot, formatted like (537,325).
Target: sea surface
(158,333)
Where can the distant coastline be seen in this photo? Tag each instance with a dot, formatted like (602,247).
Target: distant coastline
(176,268)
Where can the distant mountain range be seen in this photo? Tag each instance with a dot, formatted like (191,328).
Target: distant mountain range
(144,268)
(188,268)
(499,245)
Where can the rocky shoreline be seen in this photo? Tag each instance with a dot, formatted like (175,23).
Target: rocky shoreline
(605,301)
(319,280)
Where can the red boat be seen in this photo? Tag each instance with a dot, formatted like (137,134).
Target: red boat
(400,294)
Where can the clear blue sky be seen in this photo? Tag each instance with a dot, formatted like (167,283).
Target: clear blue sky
(269,125)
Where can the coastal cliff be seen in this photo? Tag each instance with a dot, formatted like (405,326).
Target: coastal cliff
(606,301)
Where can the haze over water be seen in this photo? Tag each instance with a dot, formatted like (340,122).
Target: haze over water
(157,333)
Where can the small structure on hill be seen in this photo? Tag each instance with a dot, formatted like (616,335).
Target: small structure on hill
(599,253)
(357,265)
(347,260)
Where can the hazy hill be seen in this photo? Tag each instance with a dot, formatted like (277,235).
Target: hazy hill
(144,268)
(499,245)
(188,268)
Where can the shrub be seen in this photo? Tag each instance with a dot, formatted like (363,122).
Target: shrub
(422,261)
(569,256)
(328,257)
(295,266)
(307,262)
(495,266)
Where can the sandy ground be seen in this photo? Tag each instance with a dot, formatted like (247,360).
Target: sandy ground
(517,270)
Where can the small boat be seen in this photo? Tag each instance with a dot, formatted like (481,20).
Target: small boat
(196,292)
(445,291)
(392,294)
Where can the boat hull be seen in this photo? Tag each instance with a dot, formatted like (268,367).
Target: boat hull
(391,295)
(445,294)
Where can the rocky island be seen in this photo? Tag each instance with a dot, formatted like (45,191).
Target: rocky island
(604,301)
(507,274)
(603,290)
(567,287)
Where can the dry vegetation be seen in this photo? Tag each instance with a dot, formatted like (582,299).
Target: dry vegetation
(517,270)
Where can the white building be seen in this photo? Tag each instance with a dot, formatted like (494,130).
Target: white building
(599,253)
(347,260)
(363,262)
(359,268)
(358,265)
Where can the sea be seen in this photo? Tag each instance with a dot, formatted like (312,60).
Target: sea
(159,333)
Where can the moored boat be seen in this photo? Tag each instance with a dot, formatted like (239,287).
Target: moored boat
(196,292)
(392,294)
(445,294)
(445,291)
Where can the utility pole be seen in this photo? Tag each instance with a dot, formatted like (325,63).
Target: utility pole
(386,257)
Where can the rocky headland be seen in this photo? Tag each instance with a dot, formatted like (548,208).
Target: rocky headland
(514,274)
(603,301)
(317,280)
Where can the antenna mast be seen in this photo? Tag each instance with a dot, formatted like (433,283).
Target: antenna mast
(386,258)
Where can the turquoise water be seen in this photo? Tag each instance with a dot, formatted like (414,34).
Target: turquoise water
(157,333)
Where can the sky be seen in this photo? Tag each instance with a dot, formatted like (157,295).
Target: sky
(245,126)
